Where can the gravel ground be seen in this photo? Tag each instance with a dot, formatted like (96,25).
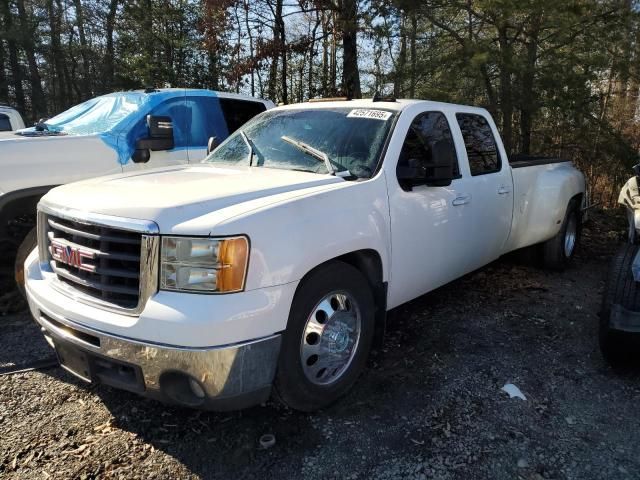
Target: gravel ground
(429,405)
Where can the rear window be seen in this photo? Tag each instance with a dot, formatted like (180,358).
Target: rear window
(5,123)
(480,144)
(239,112)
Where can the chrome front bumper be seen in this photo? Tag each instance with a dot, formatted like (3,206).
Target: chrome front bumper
(222,378)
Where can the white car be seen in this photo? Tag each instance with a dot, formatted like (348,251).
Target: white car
(272,263)
(114,133)
(10,119)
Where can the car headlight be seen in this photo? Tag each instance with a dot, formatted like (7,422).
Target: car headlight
(207,265)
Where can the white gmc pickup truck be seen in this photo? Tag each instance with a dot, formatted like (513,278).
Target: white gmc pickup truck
(268,267)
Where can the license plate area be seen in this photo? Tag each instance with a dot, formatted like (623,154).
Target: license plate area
(92,367)
(74,360)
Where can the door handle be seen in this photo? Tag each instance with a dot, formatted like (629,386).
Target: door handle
(461,200)
(503,190)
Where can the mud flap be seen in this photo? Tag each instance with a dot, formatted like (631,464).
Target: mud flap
(624,320)
(635,266)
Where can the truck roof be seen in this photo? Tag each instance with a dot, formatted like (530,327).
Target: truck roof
(237,96)
(397,105)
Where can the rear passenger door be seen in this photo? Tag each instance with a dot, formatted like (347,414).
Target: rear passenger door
(490,186)
(207,120)
(219,117)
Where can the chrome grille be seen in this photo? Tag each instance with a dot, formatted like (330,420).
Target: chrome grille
(99,263)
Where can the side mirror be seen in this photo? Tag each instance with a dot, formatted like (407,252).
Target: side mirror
(212,144)
(141,155)
(160,132)
(160,138)
(440,172)
(410,175)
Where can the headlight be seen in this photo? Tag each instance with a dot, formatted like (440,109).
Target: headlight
(204,264)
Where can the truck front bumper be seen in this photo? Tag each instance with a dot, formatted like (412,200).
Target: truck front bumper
(223,377)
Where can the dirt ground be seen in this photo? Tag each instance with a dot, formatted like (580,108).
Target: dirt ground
(430,404)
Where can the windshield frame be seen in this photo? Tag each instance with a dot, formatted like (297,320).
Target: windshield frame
(376,164)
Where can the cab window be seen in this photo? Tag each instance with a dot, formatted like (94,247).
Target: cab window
(5,123)
(480,144)
(429,137)
(239,112)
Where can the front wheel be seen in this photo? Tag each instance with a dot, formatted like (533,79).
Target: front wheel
(328,337)
(558,251)
(26,247)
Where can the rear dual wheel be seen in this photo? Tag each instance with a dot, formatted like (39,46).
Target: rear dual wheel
(328,337)
(558,251)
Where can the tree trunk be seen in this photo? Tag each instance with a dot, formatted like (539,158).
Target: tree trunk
(214,71)
(4,87)
(349,29)
(333,75)
(251,49)
(277,51)
(38,103)
(414,57)
(59,97)
(506,98)
(151,76)
(109,67)
(325,55)
(312,47)
(527,106)
(14,63)
(283,51)
(401,64)
(84,51)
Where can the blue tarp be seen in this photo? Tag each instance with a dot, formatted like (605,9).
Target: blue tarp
(120,118)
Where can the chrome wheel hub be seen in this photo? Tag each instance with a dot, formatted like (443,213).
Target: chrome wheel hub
(570,236)
(330,338)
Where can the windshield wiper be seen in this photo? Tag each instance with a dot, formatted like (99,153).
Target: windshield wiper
(249,145)
(314,152)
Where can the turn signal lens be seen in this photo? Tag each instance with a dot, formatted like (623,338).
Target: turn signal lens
(234,254)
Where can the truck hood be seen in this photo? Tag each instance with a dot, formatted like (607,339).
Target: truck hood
(175,195)
(30,162)
(14,137)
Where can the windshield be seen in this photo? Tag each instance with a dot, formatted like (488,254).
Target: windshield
(97,115)
(352,139)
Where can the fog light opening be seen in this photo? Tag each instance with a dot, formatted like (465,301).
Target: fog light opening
(196,388)
(182,389)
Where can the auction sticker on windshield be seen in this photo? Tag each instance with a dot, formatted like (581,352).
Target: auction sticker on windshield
(369,113)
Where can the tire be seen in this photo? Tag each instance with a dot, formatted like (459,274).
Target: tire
(26,247)
(620,289)
(558,251)
(332,299)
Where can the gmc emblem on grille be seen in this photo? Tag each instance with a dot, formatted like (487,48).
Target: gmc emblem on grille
(72,256)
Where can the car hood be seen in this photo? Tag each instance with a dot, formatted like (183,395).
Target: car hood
(174,195)
(30,162)
(13,136)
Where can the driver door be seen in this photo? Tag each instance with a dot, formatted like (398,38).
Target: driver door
(429,225)
(181,118)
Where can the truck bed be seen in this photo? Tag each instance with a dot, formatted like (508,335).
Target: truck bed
(520,161)
(539,198)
